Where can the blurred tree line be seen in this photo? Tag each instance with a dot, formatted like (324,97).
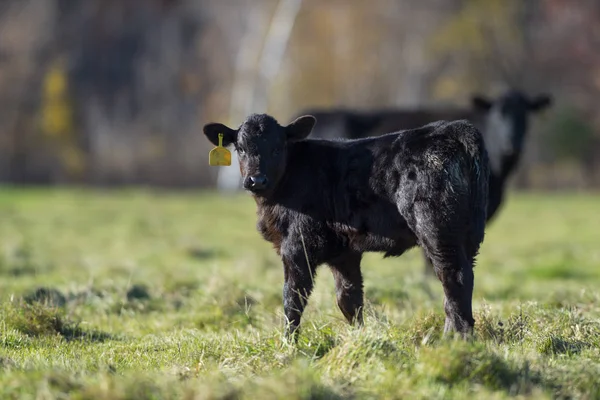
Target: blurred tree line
(113,92)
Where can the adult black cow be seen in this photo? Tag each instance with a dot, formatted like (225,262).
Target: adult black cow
(329,201)
(503,122)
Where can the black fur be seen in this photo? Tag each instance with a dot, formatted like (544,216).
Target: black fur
(514,105)
(329,201)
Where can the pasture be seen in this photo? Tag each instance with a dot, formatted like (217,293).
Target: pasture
(139,294)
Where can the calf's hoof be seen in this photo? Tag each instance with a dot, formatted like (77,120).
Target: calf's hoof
(291,334)
(458,328)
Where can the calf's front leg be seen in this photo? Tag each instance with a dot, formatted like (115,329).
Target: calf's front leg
(298,285)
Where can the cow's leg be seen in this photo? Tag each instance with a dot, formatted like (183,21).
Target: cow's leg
(442,239)
(455,271)
(349,286)
(298,285)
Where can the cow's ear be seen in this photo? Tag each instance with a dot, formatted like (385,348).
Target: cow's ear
(481,103)
(300,128)
(540,102)
(212,131)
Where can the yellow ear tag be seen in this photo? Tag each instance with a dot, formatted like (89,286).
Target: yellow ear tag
(219,155)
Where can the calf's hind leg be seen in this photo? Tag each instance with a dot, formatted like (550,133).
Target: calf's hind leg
(349,286)
(455,271)
(442,237)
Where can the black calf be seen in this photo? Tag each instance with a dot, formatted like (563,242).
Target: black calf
(329,201)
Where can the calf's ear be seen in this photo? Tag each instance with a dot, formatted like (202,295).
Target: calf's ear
(300,128)
(212,133)
(540,102)
(481,103)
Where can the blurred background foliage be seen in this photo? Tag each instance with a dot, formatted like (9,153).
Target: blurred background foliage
(112,92)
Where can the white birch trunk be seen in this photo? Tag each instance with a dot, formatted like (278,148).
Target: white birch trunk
(247,97)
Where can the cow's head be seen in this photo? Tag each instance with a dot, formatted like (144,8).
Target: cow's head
(507,120)
(261,144)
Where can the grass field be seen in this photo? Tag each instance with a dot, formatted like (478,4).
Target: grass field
(139,294)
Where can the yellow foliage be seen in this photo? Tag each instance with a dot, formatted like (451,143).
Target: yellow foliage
(55,85)
(467,31)
(483,33)
(57,119)
(447,88)
(56,110)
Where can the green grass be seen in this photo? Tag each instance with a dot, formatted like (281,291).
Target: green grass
(138,294)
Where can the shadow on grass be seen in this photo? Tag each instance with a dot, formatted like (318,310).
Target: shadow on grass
(17,271)
(38,320)
(460,363)
(203,254)
(21,262)
(555,345)
(46,296)
(576,381)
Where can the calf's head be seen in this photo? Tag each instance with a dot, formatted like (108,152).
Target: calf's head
(507,120)
(262,146)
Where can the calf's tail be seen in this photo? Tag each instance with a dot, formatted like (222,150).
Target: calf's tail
(472,140)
